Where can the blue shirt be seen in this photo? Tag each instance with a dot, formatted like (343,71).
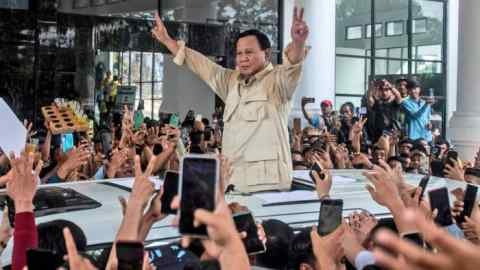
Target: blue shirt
(417,117)
(317,121)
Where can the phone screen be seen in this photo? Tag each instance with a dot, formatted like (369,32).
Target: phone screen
(330,216)
(317,169)
(197,189)
(245,223)
(439,200)
(67,142)
(468,203)
(11,210)
(437,168)
(171,256)
(170,190)
(40,259)
(423,184)
(451,155)
(130,255)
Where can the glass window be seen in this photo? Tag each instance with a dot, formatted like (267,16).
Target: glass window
(147,69)
(428,14)
(158,70)
(115,63)
(354,32)
(395,67)
(135,65)
(428,67)
(350,75)
(419,26)
(429,52)
(392,58)
(378,30)
(157,103)
(126,68)
(381,67)
(352,13)
(147,90)
(158,90)
(395,28)
(395,52)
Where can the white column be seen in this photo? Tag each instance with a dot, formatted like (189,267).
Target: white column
(318,79)
(465,123)
(452,57)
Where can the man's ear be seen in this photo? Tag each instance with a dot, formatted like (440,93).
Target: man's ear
(268,55)
(305,266)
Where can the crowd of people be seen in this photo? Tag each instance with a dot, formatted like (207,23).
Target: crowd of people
(390,135)
(410,240)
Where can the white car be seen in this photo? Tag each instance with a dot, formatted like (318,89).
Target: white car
(94,205)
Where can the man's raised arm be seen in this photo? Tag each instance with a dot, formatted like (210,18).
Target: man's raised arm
(214,75)
(299,32)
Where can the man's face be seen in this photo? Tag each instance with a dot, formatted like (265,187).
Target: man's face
(405,148)
(378,155)
(402,87)
(415,93)
(347,112)
(250,57)
(326,109)
(385,93)
(416,162)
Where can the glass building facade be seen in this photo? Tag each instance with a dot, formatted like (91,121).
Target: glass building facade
(409,42)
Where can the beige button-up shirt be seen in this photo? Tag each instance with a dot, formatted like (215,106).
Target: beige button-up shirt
(255,137)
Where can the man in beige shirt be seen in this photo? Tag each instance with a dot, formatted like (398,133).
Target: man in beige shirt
(257,99)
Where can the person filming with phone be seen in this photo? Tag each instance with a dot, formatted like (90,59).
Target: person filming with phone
(257,98)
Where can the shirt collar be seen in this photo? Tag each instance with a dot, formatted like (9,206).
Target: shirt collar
(258,76)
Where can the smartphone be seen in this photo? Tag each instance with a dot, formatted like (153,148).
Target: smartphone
(67,142)
(198,185)
(317,169)
(42,259)
(11,211)
(130,255)
(468,203)
(437,167)
(244,222)
(170,190)
(473,172)
(171,256)
(297,125)
(451,155)
(330,216)
(363,111)
(423,184)
(439,200)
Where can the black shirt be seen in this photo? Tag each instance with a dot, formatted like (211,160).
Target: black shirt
(387,115)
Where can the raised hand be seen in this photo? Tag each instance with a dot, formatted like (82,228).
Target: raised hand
(160,31)
(452,253)
(23,184)
(75,260)
(299,29)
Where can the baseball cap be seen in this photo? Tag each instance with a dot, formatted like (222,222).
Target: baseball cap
(326,102)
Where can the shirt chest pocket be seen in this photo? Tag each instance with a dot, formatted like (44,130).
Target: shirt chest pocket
(253,109)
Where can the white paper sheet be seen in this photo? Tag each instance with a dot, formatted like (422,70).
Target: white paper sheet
(14,135)
(284,197)
(128,182)
(305,175)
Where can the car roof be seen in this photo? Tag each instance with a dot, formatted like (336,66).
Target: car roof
(101,224)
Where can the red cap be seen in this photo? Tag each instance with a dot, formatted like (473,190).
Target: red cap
(326,103)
